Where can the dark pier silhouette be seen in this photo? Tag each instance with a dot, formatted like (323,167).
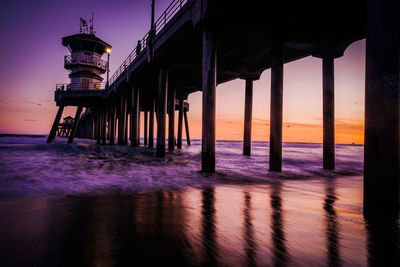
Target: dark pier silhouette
(192,47)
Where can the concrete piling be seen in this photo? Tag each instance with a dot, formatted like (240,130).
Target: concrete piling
(145,128)
(75,125)
(161,110)
(112,122)
(151,124)
(104,129)
(126,132)
(248,108)
(328,113)
(121,121)
(209,77)
(275,145)
(98,136)
(138,124)
(381,147)
(171,119)
(54,128)
(180,122)
(186,127)
(134,116)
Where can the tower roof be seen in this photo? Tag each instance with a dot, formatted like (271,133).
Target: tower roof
(83,41)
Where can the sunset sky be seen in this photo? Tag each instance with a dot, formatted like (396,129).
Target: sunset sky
(32,64)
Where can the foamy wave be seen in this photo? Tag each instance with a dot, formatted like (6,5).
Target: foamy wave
(31,167)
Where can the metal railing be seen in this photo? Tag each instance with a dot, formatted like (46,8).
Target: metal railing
(86,60)
(160,23)
(80,86)
(165,17)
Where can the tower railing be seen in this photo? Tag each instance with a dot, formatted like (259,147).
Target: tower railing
(85,60)
(160,23)
(80,86)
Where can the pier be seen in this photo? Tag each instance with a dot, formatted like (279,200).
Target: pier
(192,47)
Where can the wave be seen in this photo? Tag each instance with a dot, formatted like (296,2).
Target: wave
(31,167)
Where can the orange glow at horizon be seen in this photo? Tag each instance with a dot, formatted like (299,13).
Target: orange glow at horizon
(346,131)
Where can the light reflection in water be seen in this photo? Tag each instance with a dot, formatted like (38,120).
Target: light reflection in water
(196,227)
(248,231)
(332,228)
(210,251)
(278,236)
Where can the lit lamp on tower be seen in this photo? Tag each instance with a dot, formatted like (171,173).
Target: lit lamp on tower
(108,50)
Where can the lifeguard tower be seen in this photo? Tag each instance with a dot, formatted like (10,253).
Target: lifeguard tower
(86,66)
(85,63)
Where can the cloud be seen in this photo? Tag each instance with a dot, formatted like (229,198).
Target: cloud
(29,120)
(32,103)
(258,119)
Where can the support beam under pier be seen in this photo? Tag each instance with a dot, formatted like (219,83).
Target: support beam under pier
(97,130)
(138,124)
(171,119)
(161,110)
(209,77)
(275,143)
(134,116)
(121,120)
(186,127)
(248,108)
(100,125)
(104,125)
(180,122)
(151,125)
(126,132)
(381,147)
(92,125)
(75,125)
(112,122)
(145,128)
(54,128)
(108,122)
(328,113)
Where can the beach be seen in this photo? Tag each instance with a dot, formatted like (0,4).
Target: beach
(89,205)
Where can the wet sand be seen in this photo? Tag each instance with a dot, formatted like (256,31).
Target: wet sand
(89,205)
(317,222)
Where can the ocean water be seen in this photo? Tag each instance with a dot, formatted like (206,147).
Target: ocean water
(90,205)
(30,167)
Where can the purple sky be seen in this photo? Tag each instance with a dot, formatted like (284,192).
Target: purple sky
(32,54)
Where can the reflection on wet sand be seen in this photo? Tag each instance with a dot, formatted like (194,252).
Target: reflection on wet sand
(236,225)
(210,251)
(248,234)
(280,256)
(332,228)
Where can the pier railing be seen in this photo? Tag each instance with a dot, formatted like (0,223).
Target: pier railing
(80,86)
(84,60)
(160,23)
